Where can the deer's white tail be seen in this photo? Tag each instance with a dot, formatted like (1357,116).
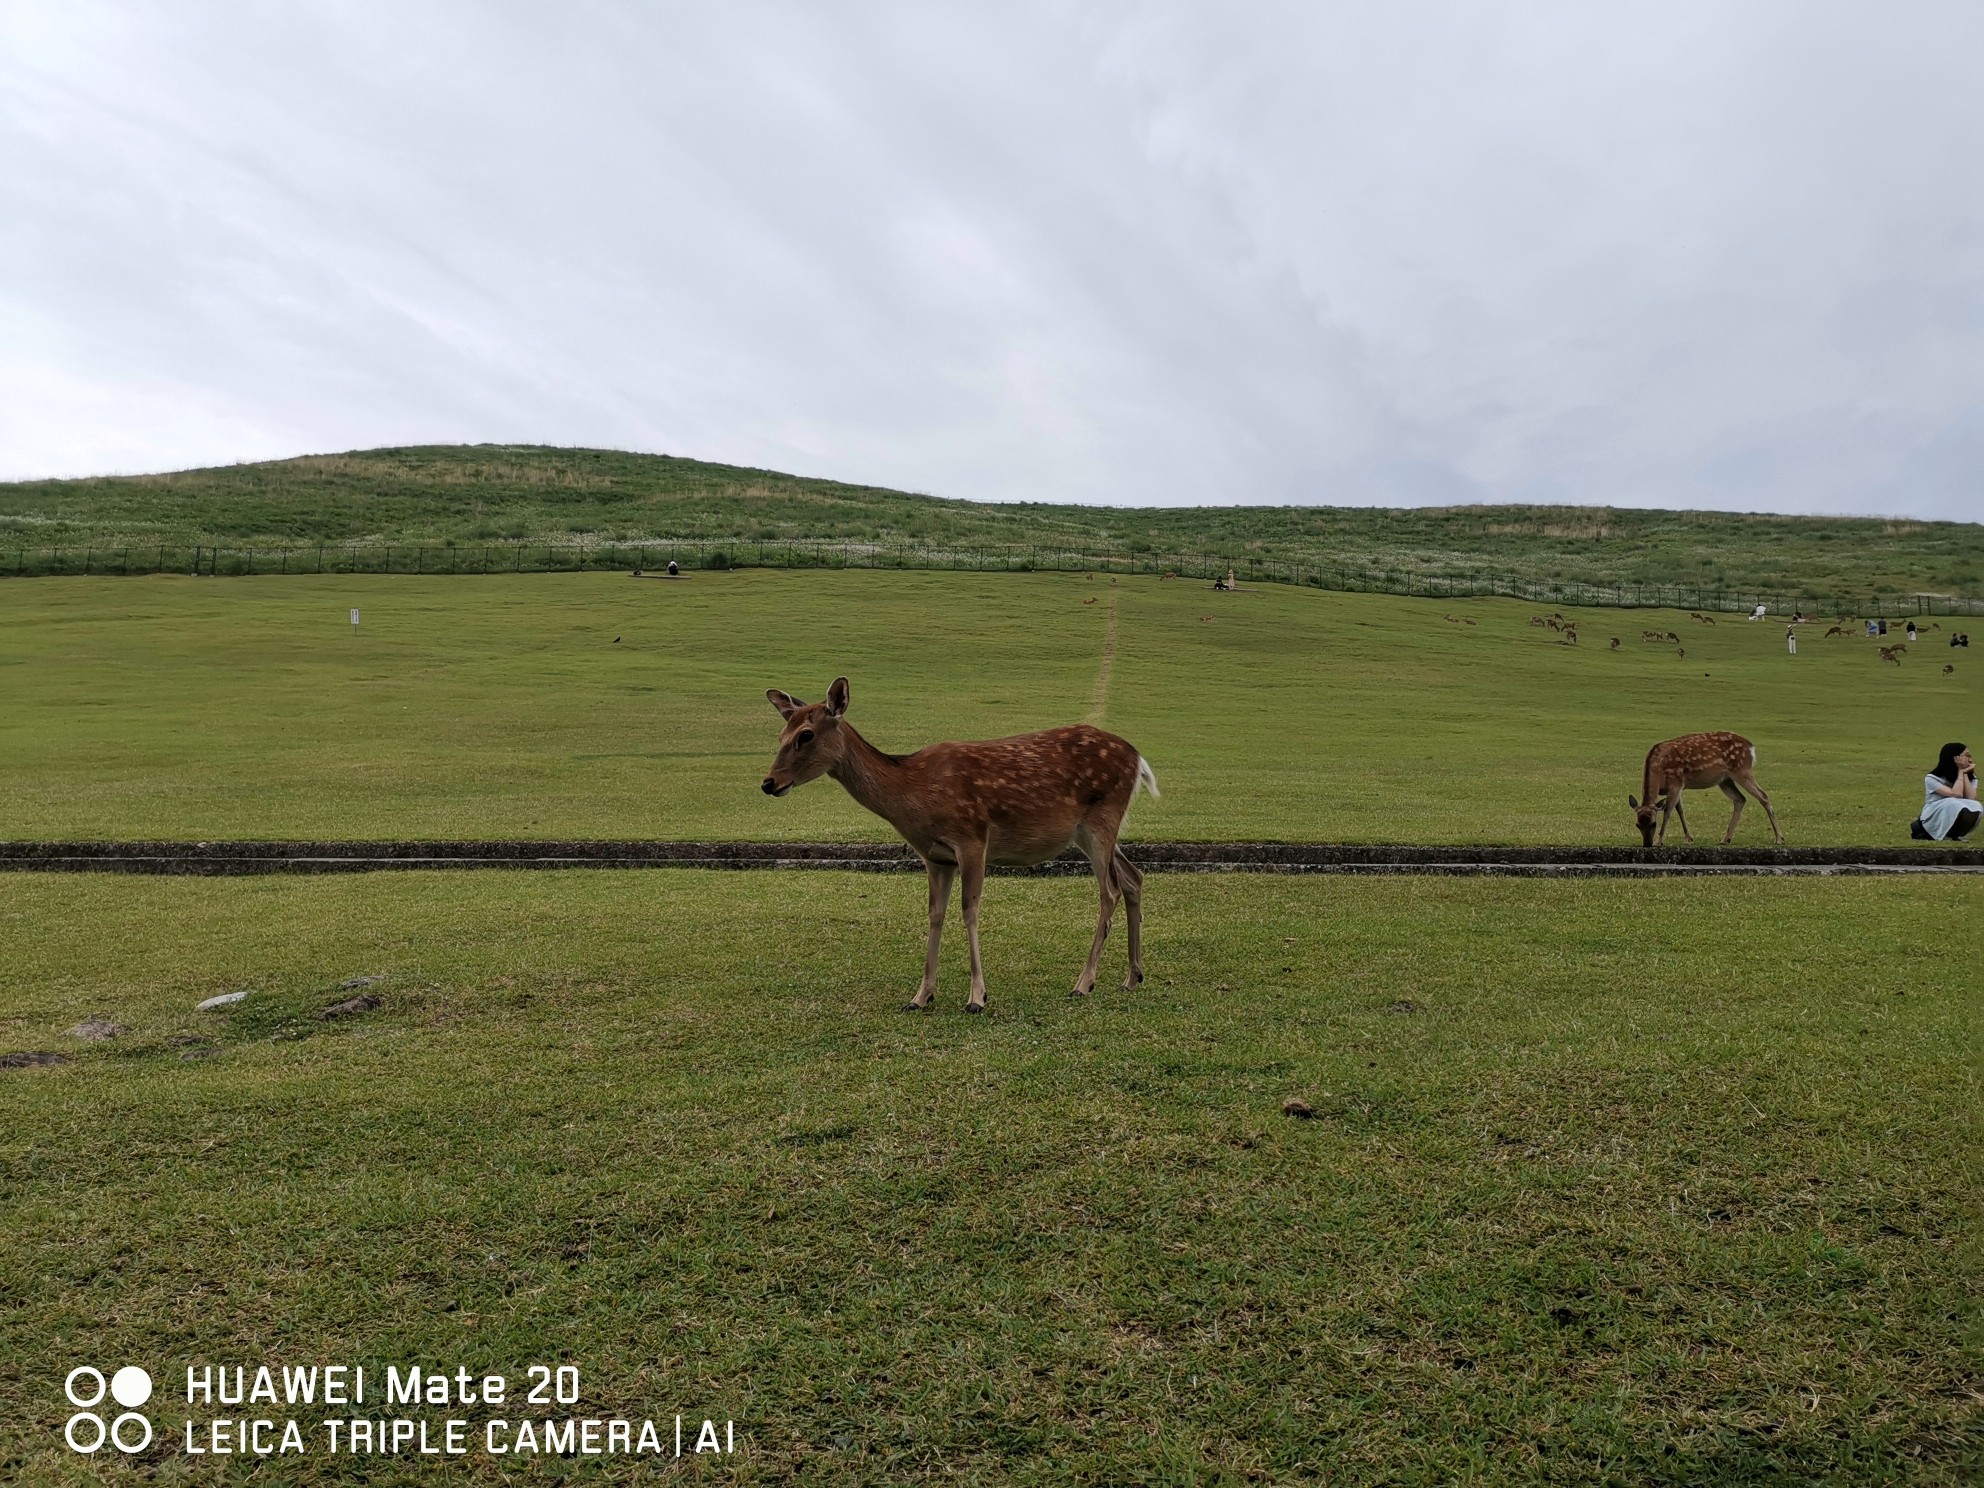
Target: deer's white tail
(1145,779)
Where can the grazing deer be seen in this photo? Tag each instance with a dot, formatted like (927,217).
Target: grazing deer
(1833,632)
(1615,643)
(1536,620)
(1893,653)
(1692,762)
(1671,639)
(1948,670)
(1014,801)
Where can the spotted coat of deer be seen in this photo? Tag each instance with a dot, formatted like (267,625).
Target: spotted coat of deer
(1015,801)
(1695,762)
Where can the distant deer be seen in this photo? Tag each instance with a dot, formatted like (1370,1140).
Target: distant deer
(1948,670)
(1693,762)
(1833,632)
(1615,643)
(1019,801)
(1893,653)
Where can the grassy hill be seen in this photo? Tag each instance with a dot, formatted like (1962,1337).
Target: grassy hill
(485,493)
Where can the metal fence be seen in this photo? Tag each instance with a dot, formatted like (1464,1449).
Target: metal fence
(722,553)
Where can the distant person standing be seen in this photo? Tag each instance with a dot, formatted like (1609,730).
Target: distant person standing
(1949,798)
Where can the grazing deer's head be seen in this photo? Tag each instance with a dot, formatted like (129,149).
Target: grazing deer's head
(1643,818)
(812,742)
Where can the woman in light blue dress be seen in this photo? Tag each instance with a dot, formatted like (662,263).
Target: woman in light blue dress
(1949,797)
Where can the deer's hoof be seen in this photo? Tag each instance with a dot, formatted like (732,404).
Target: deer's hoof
(1079,991)
(916,1007)
(974,1007)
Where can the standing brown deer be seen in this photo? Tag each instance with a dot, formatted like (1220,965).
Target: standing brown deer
(1016,801)
(1692,762)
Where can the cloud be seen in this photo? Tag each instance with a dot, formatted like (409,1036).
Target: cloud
(1650,254)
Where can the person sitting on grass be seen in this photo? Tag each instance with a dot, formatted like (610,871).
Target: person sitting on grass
(1949,798)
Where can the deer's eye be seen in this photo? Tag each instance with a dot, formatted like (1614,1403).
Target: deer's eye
(805,737)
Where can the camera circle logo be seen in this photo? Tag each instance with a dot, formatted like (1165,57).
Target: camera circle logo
(87,1430)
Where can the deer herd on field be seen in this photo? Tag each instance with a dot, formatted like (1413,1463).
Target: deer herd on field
(1024,800)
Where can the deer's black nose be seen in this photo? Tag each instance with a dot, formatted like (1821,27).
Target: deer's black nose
(771,786)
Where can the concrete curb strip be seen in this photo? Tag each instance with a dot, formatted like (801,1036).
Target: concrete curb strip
(238,858)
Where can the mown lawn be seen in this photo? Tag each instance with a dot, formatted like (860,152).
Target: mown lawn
(1660,1182)
(505,707)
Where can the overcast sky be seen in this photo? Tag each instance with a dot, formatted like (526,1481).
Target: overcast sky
(1679,253)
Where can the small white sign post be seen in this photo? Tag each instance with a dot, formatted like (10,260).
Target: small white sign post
(354,622)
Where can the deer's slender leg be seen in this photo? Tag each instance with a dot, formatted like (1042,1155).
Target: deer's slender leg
(941,875)
(1101,857)
(1735,800)
(971,859)
(1130,881)
(1749,783)
(1681,812)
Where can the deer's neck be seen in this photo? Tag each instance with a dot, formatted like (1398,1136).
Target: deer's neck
(871,777)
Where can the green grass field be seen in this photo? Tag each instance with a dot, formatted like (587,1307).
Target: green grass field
(492,493)
(503,706)
(1667,1182)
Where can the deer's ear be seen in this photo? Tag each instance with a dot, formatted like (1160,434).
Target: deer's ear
(786,704)
(837,697)
(1632,803)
